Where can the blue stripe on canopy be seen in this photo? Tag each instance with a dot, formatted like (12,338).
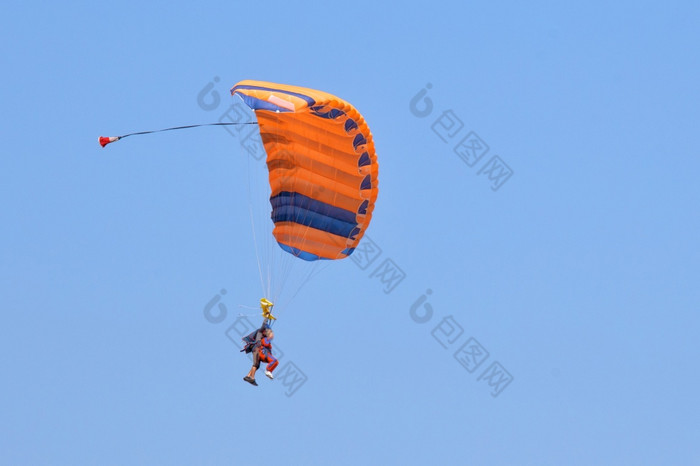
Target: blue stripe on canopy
(287,198)
(258,104)
(308,99)
(307,256)
(297,208)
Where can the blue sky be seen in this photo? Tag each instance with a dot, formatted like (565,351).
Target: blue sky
(576,276)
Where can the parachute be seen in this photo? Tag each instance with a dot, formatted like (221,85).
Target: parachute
(322,182)
(322,168)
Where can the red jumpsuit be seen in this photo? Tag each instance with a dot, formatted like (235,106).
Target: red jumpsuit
(265,354)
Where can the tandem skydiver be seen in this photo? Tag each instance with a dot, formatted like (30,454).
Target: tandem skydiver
(259,343)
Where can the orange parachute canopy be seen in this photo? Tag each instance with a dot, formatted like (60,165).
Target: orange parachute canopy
(322,168)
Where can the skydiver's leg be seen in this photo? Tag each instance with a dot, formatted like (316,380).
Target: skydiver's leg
(271,366)
(256,364)
(273,362)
